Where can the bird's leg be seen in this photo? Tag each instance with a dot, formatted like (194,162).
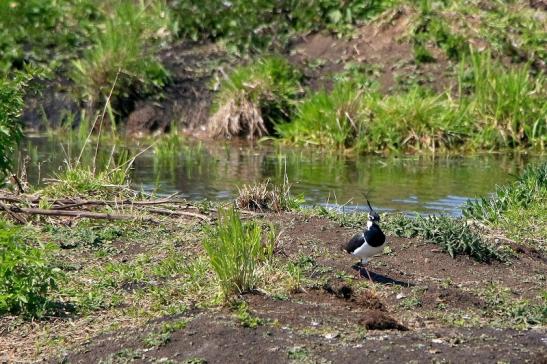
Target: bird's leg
(359,266)
(368,273)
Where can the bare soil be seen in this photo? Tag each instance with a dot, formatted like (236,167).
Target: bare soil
(423,306)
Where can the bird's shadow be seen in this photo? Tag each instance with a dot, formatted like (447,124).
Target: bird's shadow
(379,278)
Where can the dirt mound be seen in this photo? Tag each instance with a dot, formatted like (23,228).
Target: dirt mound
(378,320)
(382,47)
(339,289)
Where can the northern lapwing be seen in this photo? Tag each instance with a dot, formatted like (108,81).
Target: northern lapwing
(367,243)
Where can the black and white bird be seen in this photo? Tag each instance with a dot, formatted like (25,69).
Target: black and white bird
(369,242)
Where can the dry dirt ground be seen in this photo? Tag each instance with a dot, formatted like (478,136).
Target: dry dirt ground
(423,306)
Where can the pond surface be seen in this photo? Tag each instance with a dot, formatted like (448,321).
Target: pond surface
(407,184)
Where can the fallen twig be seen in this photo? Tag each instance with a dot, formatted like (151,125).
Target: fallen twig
(161,211)
(12,214)
(88,214)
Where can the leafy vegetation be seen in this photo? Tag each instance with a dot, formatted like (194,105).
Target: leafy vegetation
(26,274)
(163,335)
(11,107)
(237,250)
(261,24)
(252,98)
(245,317)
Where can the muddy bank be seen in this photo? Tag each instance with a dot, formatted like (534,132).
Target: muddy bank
(423,305)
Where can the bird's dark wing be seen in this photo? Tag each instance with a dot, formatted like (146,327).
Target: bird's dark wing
(355,242)
(374,236)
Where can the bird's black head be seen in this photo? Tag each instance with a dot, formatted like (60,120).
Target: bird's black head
(374,217)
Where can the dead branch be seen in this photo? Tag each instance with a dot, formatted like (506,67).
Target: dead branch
(12,214)
(87,214)
(168,212)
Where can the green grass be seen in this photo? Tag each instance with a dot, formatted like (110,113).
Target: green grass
(496,108)
(167,152)
(506,105)
(26,274)
(333,119)
(518,208)
(252,98)
(82,181)
(121,58)
(518,313)
(237,250)
(347,118)
(413,121)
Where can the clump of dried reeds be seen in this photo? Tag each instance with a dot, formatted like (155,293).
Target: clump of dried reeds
(265,196)
(252,98)
(238,117)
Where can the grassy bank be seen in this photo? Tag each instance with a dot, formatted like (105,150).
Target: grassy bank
(494,108)
(447,95)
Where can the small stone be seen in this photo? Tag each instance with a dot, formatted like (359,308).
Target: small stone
(331,335)
(400,296)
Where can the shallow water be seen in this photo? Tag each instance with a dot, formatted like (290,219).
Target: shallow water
(197,171)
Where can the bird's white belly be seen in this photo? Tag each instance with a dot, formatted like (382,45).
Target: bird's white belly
(367,251)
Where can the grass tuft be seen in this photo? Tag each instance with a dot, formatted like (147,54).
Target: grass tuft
(252,98)
(237,250)
(122,52)
(267,197)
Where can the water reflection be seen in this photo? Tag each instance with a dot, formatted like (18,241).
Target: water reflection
(407,184)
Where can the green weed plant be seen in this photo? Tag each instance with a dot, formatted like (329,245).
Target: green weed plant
(26,274)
